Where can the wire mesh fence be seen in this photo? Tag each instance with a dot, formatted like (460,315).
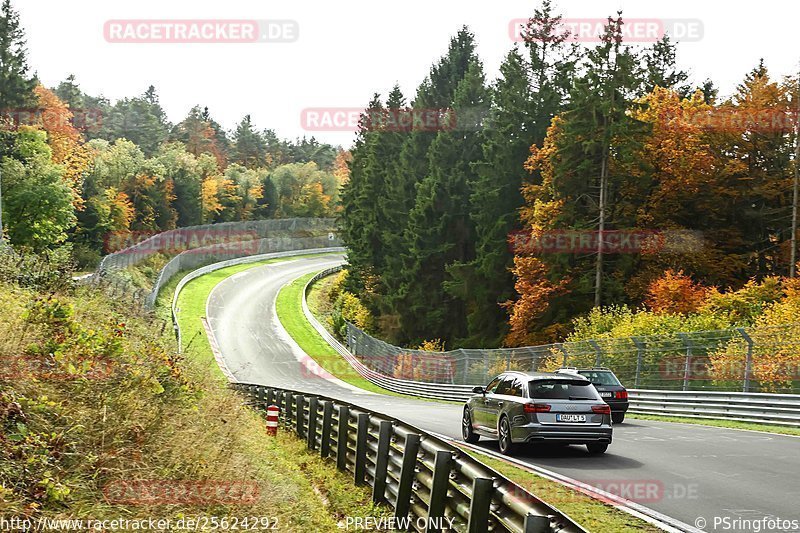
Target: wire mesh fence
(196,246)
(754,359)
(242,236)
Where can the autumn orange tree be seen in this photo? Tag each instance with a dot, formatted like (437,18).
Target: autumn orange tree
(65,141)
(675,292)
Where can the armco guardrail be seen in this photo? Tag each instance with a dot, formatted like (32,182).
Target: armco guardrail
(774,409)
(430,484)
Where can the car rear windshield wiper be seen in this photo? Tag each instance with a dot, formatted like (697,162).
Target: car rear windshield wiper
(579,398)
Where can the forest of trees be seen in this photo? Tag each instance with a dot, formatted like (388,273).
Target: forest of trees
(77,168)
(569,137)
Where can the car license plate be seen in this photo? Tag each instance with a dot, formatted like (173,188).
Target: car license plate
(571,418)
(606,394)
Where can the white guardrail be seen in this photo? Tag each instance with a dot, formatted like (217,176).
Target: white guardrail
(762,408)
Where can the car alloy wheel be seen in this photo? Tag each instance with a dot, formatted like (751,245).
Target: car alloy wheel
(466,428)
(506,445)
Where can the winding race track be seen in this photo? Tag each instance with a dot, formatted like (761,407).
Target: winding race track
(683,471)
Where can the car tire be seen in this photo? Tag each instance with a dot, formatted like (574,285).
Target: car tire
(507,446)
(597,448)
(617,418)
(466,428)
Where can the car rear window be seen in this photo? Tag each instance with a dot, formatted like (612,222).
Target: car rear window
(600,377)
(562,389)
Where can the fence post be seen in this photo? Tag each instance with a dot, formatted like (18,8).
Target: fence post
(360,469)
(312,423)
(287,399)
(686,368)
(442,465)
(566,354)
(260,398)
(598,352)
(327,422)
(382,461)
(748,362)
(270,396)
(482,488)
(299,416)
(341,439)
(639,353)
(408,471)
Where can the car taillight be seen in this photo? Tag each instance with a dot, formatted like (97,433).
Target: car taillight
(621,395)
(536,408)
(601,409)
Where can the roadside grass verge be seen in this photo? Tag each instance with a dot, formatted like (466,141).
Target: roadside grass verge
(94,402)
(592,514)
(289,307)
(730,424)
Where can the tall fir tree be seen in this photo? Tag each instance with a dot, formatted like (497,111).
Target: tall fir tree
(16,83)
(440,230)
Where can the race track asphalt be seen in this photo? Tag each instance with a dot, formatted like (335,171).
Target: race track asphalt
(686,471)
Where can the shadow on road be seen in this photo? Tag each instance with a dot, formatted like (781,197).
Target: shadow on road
(571,456)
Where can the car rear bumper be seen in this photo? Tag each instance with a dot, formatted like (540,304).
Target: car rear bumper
(617,406)
(563,434)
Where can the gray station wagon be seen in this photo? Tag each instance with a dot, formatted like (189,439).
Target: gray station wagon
(518,408)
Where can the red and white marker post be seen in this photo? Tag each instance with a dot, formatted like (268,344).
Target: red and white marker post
(272,420)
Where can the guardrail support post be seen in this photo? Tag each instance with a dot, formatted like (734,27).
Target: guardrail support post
(382,461)
(482,489)
(270,396)
(261,399)
(313,402)
(327,422)
(408,471)
(536,524)
(360,469)
(299,415)
(442,465)
(639,353)
(748,362)
(287,399)
(341,440)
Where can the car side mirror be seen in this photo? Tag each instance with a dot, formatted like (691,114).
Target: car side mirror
(478,390)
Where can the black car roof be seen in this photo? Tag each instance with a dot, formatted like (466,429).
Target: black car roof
(540,375)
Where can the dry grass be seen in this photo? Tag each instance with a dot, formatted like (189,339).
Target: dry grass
(92,395)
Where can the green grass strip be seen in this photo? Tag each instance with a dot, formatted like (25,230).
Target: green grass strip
(730,424)
(290,312)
